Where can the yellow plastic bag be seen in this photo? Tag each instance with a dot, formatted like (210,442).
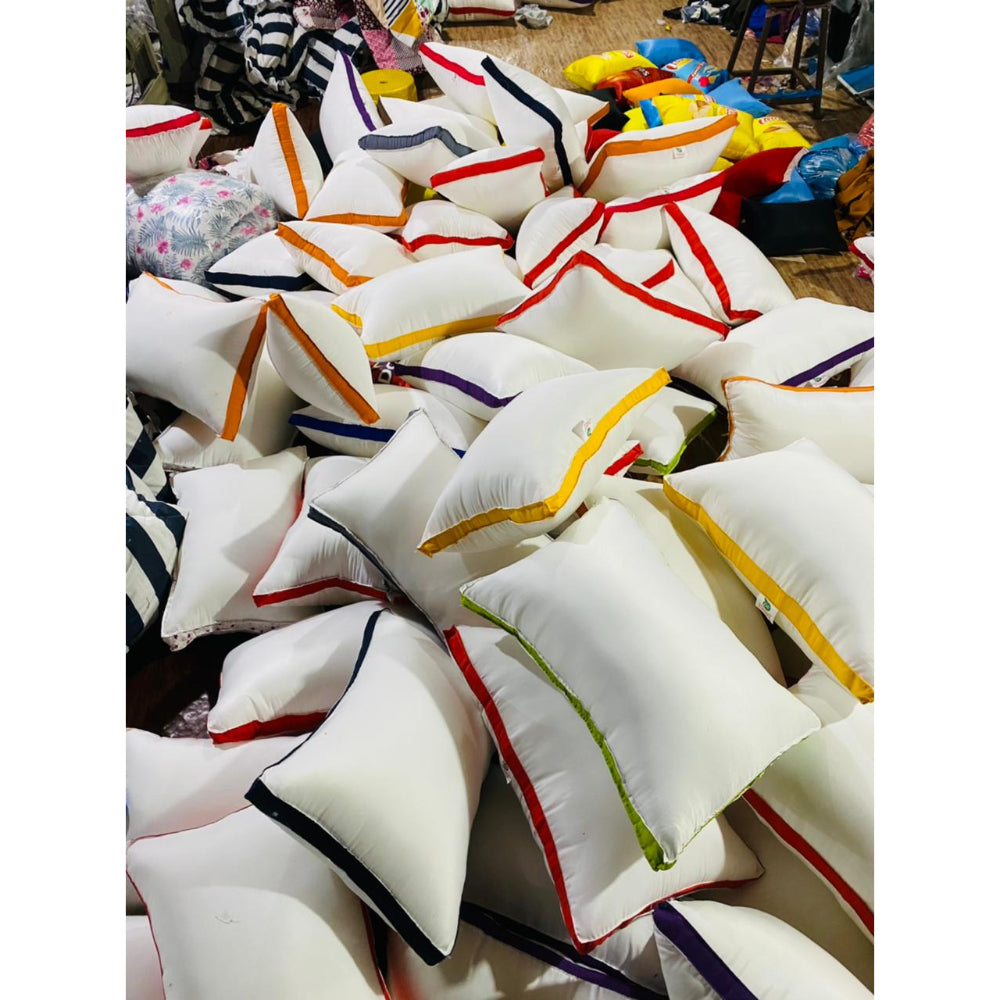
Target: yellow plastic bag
(742,143)
(636,120)
(720,164)
(650,90)
(590,70)
(772,132)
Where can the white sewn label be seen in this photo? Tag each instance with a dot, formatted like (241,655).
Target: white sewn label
(584,429)
(766,607)
(680,152)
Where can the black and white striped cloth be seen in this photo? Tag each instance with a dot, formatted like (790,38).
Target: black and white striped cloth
(144,472)
(255,53)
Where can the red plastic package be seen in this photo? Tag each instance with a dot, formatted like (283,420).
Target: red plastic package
(620,82)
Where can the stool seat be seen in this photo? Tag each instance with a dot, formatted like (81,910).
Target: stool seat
(390,83)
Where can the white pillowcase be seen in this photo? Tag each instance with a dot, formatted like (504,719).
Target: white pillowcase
(458,72)
(258,267)
(418,153)
(515,483)
(237,518)
(284,163)
(347,110)
(158,140)
(552,232)
(824,694)
(863,370)
(481,10)
(287,681)
(420,114)
(437,227)
(360,191)
(765,417)
(397,827)
(143,979)
(671,422)
(799,531)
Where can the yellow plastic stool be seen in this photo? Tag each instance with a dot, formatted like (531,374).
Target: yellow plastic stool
(390,83)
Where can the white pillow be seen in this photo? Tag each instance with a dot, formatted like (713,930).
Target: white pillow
(360,191)
(402,313)
(711,951)
(482,372)
(397,827)
(258,267)
(481,10)
(420,114)
(798,529)
(237,518)
(320,357)
(774,350)
(383,508)
(315,567)
(588,312)
(515,483)
(863,370)
(671,422)
(143,978)
(737,280)
(824,694)
(502,183)
(696,562)
(178,285)
(458,72)
(819,800)
(287,681)
(636,163)
(158,140)
(437,227)
(197,354)
(642,660)
(552,232)
(584,108)
(765,417)
(560,777)
(347,110)
(239,909)
(457,428)
(284,163)
(529,112)
(417,153)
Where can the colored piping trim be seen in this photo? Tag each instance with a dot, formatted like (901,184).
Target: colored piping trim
(664,274)
(159,127)
(542,509)
(358,219)
(318,254)
(290,725)
(489,167)
(307,589)
(343,430)
(282,282)
(436,239)
(470,389)
(593,219)
(659,200)
(392,143)
(665,470)
(386,348)
(493,12)
(359,103)
(370,935)
(453,67)
(847,355)
(629,458)
(280,112)
(241,378)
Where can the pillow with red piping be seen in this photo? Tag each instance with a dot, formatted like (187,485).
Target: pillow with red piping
(753,177)
(635,163)
(143,978)
(552,232)
(588,312)
(284,162)
(258,267)
(360,191)
(560,778)
(315,567)
(480,10)
(458,72)
(436,228)
(346,111)
(159,139)
(737,280)
(339,257)
(287,681)
(503,183)
(198,354)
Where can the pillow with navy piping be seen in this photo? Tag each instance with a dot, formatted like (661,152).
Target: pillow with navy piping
(260,266)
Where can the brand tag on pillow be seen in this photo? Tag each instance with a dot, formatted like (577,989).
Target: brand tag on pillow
(584,429)
(680,152)
(766,608)
(815,383)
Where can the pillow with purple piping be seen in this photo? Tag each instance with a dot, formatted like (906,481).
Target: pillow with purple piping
(347,111)
(284,163)
(552,232)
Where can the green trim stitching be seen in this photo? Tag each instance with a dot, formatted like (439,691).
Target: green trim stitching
(665,470)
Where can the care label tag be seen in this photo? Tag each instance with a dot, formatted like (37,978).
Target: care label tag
(766,607)
(584,429)
(680,152)
(815,383)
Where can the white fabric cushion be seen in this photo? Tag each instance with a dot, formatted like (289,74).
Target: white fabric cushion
(588,312)
(383,508)
(636,163)
(482,372)
(671,422)
(774,349)
(238,908)
(639,223)
(457,428)
(863,370)
(819,800)
(143,978)
(347,110)
(237,518)
(552,232)
(529,112)
(158,140)
(737,280)
(481,10)
(592,609)
(320,357)
(824,694)
(560,777)
(583,108)
(284,163)
(765,417)
(178,285)
(503,183)
(696,562)
(711,951)
(396,828)
(799,531)
(197,354)
(420,114)
(287,681)
(258,267)
(515,482)
(360,191)
(316,567)
(437,227)
(458,72)
(402,313)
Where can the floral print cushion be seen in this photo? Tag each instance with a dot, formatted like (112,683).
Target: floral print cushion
(188,221)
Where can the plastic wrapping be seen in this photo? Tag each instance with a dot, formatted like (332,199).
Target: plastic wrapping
(823,165)
(860,49)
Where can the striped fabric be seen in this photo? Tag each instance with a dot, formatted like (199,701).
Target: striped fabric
(144,471)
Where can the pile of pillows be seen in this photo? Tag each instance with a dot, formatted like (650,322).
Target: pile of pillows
(522,710)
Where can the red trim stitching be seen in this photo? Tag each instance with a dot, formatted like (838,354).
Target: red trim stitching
(291,725)
(167,126)
(277,596)
(432,239)
(624,462)
(660,276)
(489,167)
(595,216)
(454,67)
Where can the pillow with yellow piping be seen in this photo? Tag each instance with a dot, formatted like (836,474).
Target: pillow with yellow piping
(515,482)
(338,256)
(400,314)
(552,232)
(437,228)
(771,132)
(637,164)
(258,267)
(799,531)
(158,140)
(284,163)
(360,191)
(197,354)
(320,358)
(587,73)
(346,111)
(658,87)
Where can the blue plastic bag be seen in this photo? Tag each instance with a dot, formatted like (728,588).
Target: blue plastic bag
(660,51)
(734,95)
(794,189)
(822,165)
(651,113)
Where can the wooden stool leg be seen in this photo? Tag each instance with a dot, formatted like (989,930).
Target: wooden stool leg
(739,39)
(800,38)
(824,30)
(765,32)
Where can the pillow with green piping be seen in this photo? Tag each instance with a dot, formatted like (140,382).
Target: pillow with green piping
(643,661)
(671,422)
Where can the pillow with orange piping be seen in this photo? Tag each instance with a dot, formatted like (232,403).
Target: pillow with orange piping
(197,354)
(360,191)
(158,140)
(436,228)
(284,163)
(340,257)
(658,87)
(320,358)
(552,232)
(583,107)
